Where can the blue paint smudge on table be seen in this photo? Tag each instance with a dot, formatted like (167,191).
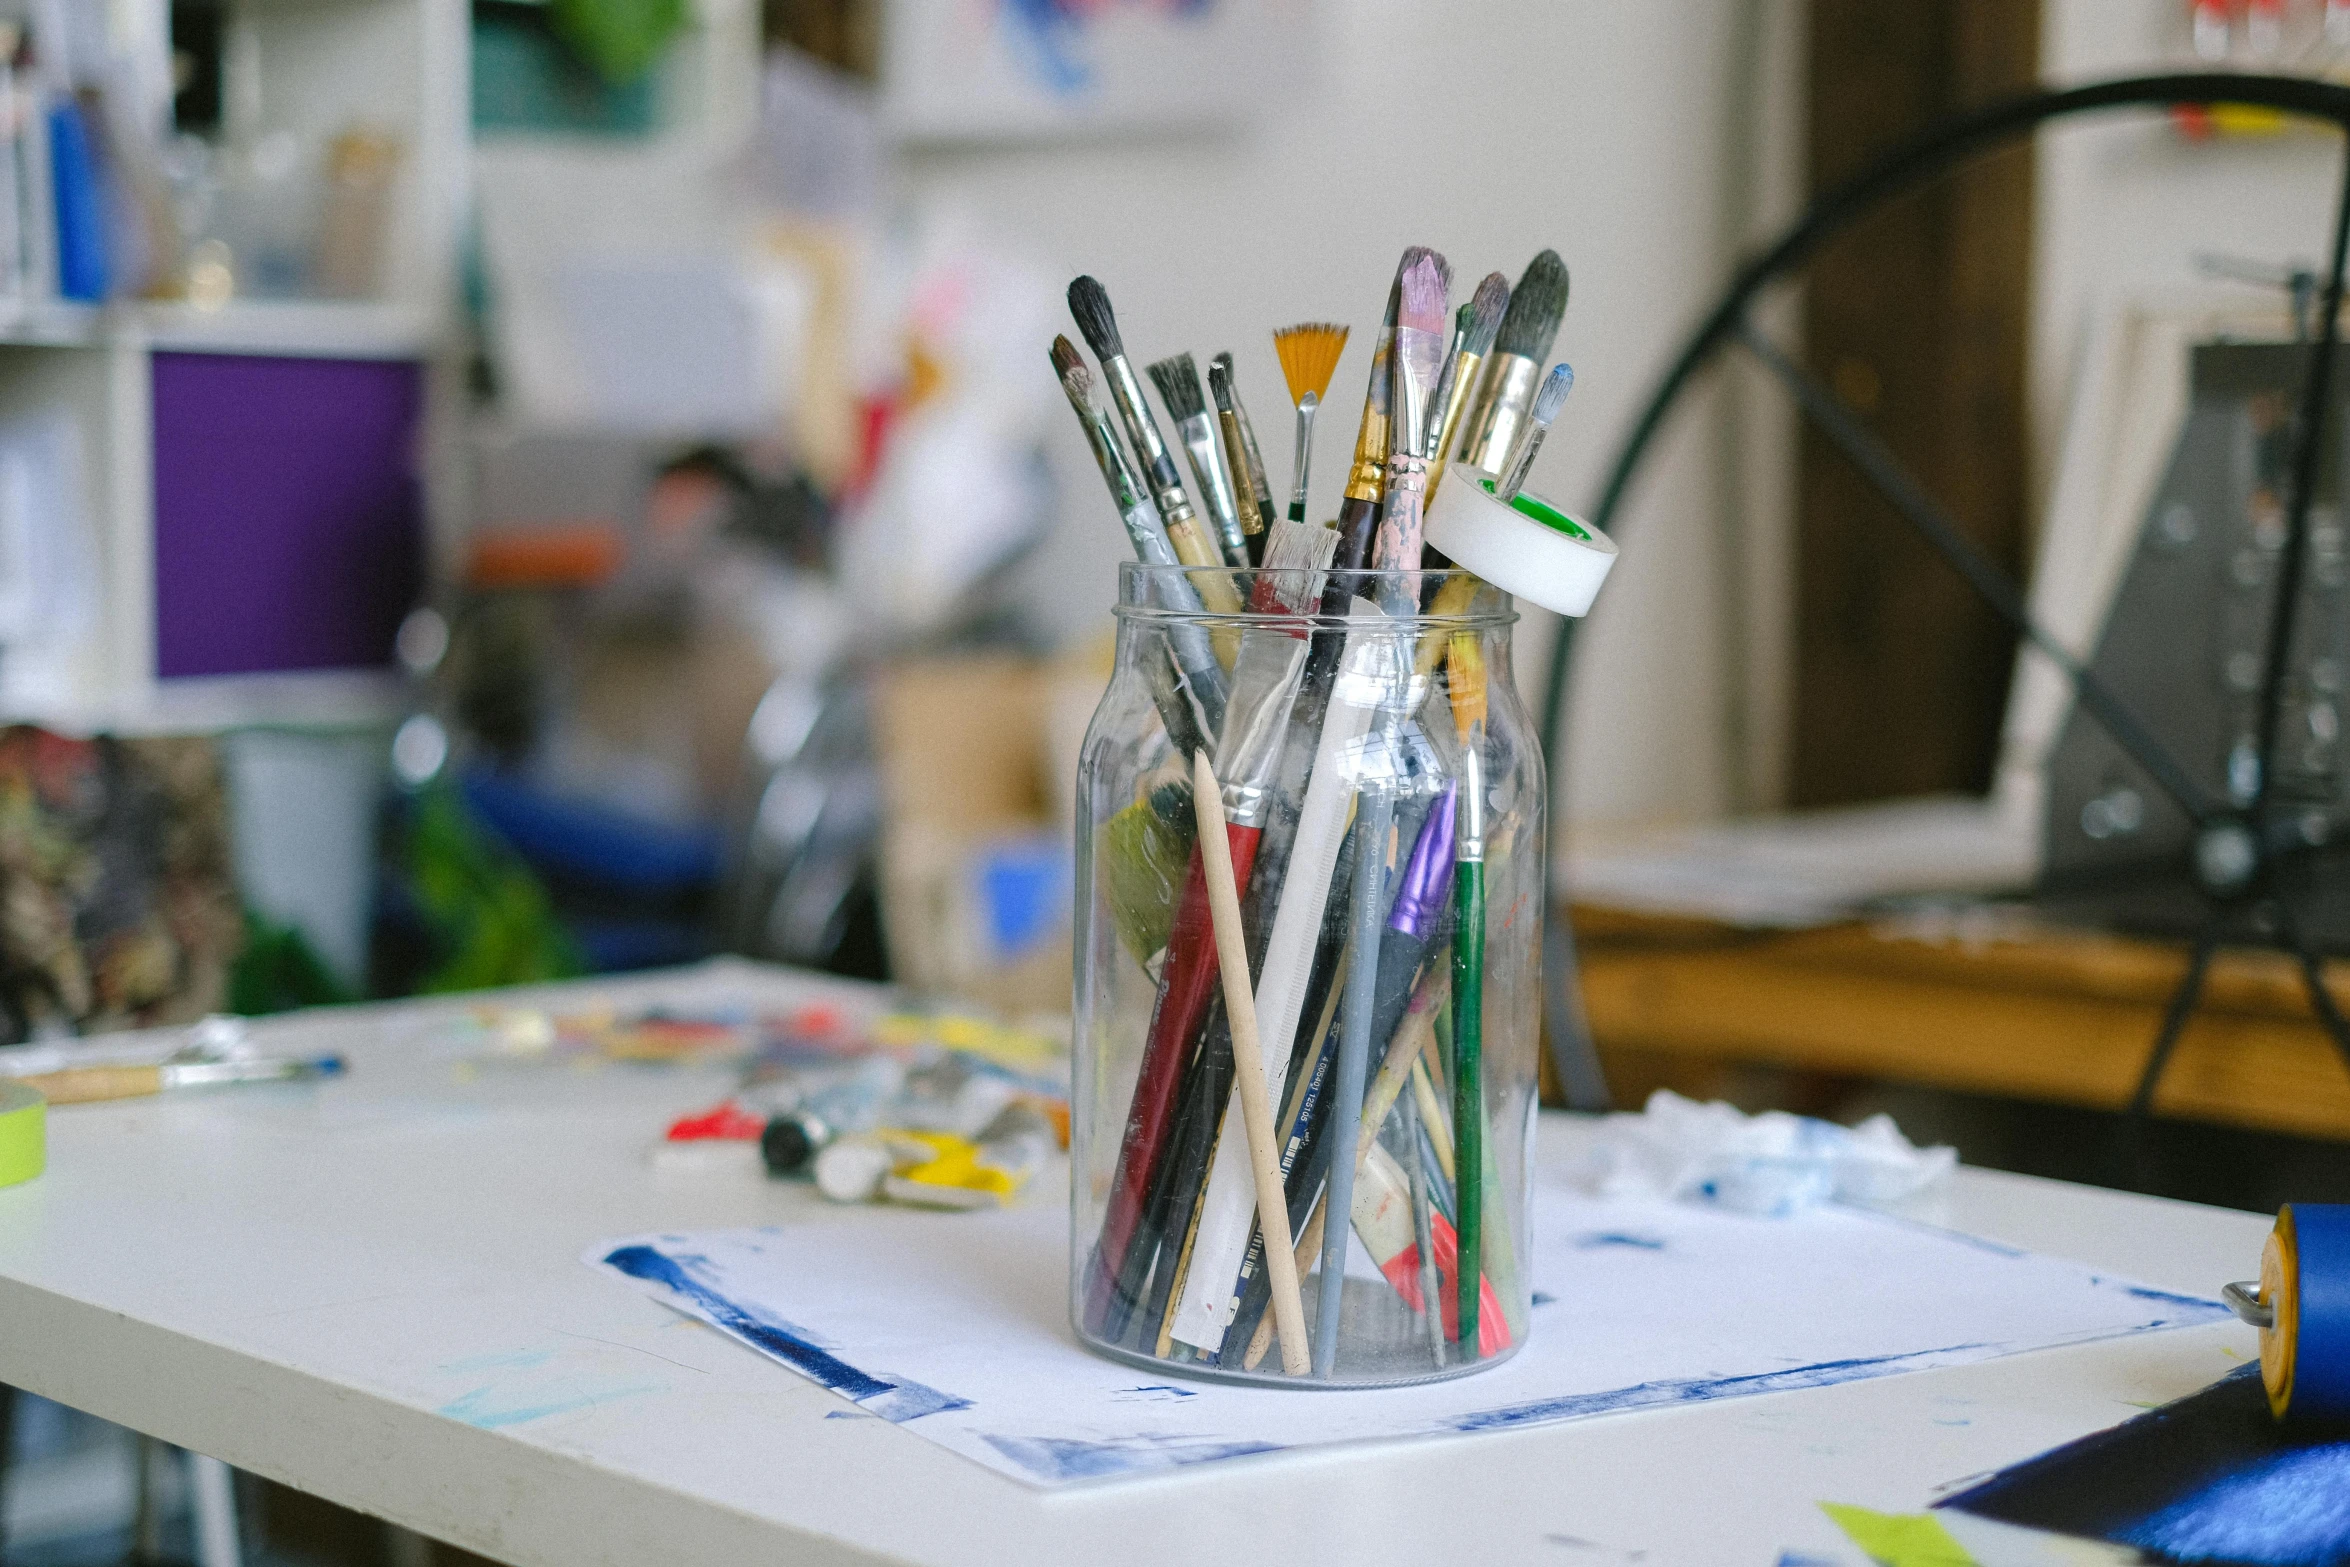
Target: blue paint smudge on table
(1065,1458)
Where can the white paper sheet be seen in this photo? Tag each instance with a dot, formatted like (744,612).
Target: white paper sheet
(956,1326)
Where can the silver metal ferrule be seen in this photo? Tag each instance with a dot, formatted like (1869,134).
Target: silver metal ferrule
(1470,844)
(1247,804)
(1494,429)
(1215,485)
(1442,400)
(1307,406)
(1142,428)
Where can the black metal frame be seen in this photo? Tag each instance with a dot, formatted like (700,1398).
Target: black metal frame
(2241,853)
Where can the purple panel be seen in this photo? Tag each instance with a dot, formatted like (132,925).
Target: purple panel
(288,514)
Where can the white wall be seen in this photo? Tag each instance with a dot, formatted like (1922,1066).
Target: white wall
(1489,130)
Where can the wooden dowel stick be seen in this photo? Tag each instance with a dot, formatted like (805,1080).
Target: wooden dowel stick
(1248,1066)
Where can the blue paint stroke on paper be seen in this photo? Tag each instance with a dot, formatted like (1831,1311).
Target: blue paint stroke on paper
(1060,1459)
(490,1407)
(891,1399)
(1693,1390)
(1152,1393)
(2203,1305)
(1599,1238)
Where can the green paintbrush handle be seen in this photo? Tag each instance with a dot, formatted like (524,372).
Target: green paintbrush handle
(1468,1089)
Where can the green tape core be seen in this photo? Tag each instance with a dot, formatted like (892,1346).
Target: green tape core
(1557,521)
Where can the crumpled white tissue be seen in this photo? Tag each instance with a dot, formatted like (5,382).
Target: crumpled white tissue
(1771,1164)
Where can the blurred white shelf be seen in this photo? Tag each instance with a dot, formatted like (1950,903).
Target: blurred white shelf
(296,328)
(326,699)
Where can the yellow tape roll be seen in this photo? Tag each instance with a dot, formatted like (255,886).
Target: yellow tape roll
(24,1146)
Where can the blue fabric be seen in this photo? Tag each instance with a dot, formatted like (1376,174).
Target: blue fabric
(592,843)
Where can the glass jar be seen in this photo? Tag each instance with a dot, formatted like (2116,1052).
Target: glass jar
(1383,801)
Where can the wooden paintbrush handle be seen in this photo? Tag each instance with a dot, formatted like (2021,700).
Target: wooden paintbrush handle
(88,1084)
(1248,1068)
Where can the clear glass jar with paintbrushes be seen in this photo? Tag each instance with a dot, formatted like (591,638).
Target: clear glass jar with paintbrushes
(1310,840)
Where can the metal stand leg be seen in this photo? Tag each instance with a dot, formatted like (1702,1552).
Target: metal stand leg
(2313,976)
(7,1439)
(2136,1154)
(147,1511)
(2174,1018)
(406,1548)
(1573,1055)
(212,1485)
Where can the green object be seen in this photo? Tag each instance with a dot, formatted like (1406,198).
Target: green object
(24,1135)
(1468,1092)
(619,39)
(525,79)
(490,917)
(278,971)
(1145,850)
(1899,1539)
(1549,516)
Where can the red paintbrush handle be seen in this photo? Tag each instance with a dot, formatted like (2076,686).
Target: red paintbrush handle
(1185,985)
(1403,1272)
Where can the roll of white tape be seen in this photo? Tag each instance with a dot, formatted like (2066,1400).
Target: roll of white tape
(23,1132)
(1527,547)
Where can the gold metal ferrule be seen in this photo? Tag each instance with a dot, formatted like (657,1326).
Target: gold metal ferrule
(1451,415)
(1366,480)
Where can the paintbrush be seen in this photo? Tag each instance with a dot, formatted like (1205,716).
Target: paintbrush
(1284,980)
(1506,390)
(1178,382)
(1248,1065)
(1416,359)
(1257,486)
(1423,1232)
(1547,403)
(1465,671)
(1173,589)
(1265,675)
(1484,312)
(1309,354)
(1089,303)
(1256,507)
(1375,812)
(89,1084)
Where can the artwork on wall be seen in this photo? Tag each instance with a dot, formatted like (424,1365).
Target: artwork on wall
(982,69)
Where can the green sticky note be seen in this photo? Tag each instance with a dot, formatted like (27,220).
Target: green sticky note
(1899,1539)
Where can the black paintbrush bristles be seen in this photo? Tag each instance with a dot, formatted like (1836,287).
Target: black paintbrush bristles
(1485,308)
(1089,302)
(1220,382)
(1178,382)
(1531,323)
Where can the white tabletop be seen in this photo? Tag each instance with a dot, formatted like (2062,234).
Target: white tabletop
(371,1290)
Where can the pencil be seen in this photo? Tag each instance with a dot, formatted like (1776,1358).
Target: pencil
(1248,1064)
